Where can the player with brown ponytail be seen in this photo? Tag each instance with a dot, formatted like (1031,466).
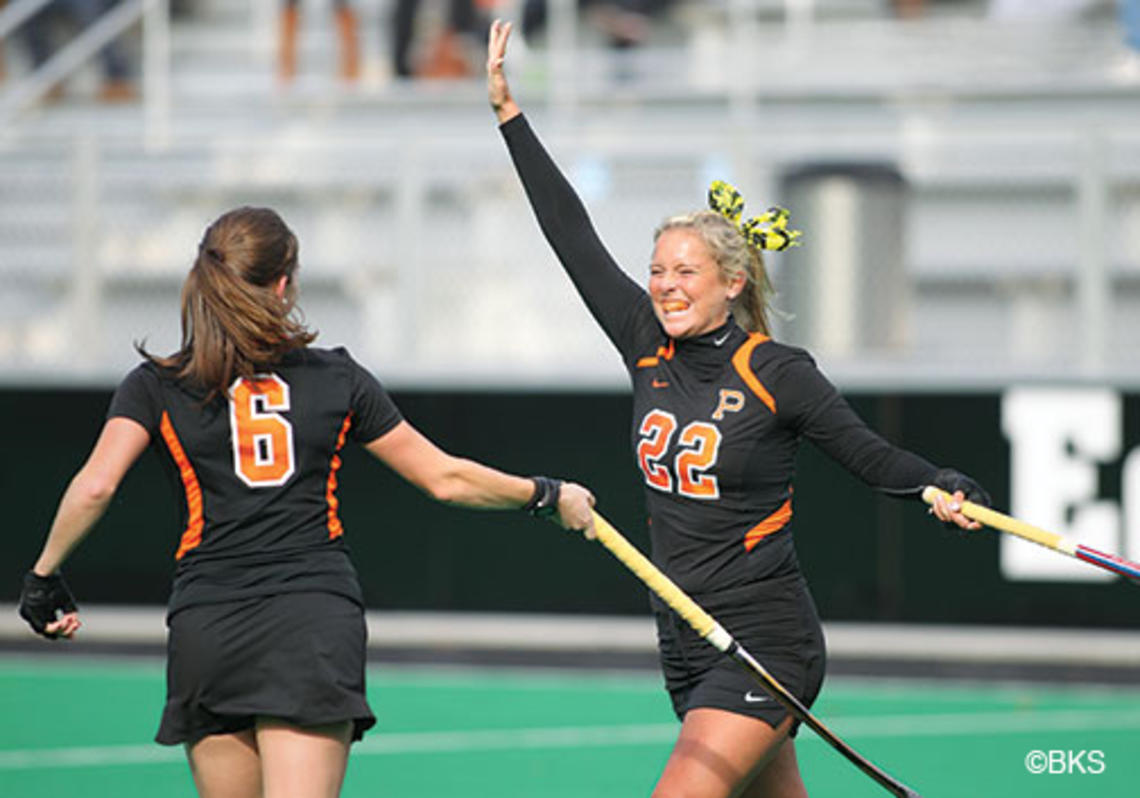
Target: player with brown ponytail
(266,645)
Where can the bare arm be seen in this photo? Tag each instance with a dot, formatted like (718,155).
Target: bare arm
(86,498)
(457,480)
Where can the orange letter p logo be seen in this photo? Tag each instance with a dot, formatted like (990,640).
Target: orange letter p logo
(730,402)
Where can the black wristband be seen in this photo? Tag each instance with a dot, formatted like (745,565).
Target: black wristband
(544,501)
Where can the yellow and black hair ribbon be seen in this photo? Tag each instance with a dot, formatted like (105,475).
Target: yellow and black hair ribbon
(766,231)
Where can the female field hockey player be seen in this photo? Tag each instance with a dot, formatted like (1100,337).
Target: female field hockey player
(266,644)
(719,410)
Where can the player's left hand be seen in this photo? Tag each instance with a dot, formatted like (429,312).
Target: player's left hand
(47,605)
(575,509)
(949,511)
(961,488)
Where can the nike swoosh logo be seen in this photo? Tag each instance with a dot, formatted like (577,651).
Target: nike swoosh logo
(660,383)
(752,698)
(720,341)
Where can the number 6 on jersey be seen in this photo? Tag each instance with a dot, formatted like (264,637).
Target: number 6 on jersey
(262,437)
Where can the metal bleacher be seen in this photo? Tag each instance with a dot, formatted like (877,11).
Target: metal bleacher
(1018,142)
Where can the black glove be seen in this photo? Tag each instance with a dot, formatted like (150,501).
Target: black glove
(43,599)
(953,481)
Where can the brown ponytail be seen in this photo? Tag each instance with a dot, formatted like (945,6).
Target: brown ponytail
(233,322)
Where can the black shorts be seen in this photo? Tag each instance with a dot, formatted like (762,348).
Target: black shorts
(776,621)
(298,657)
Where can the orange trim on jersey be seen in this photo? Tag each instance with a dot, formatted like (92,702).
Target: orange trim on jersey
(740,360)
(192,536)
(773,523)
(335,528)
(665,352)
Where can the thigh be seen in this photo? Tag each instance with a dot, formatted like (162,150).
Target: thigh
(718,754)
(302,762)
(779,777)
(226,765)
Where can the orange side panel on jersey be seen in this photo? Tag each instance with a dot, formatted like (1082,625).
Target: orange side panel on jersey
(740,361)
(335,528)
(192,536)
(662,352)
(773,523)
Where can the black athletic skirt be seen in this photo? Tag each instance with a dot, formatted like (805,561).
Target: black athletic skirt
(297,657)
(775,620)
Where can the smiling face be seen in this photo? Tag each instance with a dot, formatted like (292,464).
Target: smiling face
(690,295)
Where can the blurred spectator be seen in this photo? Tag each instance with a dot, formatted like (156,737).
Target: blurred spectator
(446,55)
(40,35)
(909,9)
(625,23)
(346,27)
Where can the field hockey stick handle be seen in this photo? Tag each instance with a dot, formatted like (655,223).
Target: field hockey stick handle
(1005,523)
(1050,540)
(663,586)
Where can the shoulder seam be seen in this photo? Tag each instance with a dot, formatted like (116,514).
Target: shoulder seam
(742,362)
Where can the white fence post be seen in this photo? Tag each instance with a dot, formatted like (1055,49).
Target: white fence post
(1093,289)
(156,74)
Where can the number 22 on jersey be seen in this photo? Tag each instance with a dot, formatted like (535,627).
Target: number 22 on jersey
(699,442)
(262,437)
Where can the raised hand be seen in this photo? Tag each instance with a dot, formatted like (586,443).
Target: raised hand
(498,92)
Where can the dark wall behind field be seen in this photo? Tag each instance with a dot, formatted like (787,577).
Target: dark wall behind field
(866,557)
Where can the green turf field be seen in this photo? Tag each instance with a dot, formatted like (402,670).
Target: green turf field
(83,728)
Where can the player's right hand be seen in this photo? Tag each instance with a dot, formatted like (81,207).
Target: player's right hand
(498,92)
(575,509)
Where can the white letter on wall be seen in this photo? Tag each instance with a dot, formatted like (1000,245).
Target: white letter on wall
(1057,437)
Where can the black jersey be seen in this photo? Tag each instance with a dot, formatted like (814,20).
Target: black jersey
(717,419)
(257,472)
